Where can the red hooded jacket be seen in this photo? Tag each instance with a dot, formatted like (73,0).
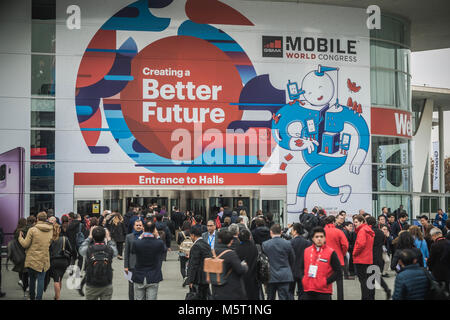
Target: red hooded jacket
(322,260)
(337,241)
(363,250)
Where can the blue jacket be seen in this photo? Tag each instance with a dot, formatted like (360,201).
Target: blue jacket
(411,283)
(422,245)
(281,259)
(440,222)
(149,253)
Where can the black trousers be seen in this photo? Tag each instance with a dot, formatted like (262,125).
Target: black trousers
(130,290)
(183,261)
(340,288)
(119,248)
(203,291)
(296,284)
(310,295)
(24,277)
(366,292)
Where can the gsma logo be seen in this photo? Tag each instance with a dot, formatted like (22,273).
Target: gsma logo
(272,46)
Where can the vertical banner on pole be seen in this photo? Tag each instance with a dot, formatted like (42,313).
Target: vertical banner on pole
(436,166)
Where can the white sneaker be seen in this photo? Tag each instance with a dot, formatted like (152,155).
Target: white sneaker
(20,283)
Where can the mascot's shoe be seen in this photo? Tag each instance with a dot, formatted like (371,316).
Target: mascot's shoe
(346,191)
(297,206)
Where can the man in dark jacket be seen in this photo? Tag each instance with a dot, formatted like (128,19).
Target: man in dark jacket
(281,260)
(378,242)
(299,244)
(232,267)
(400,224)
(261,233)
(439,260)
(248,252)
(149,250)
(162,226)
(199,251)
(349,271)
(99,242)
(129,260)
(411,283)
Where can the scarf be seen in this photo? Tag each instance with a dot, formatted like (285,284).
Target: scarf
(136,234)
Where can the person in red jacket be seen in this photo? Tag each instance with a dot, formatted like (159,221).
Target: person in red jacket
(337,241)
(363,255)
(320,268)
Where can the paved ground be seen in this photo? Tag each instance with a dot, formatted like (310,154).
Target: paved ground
(169,289)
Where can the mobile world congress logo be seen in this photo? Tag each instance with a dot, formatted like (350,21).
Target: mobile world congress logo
(272,47)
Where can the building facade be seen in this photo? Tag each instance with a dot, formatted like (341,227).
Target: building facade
(280,105)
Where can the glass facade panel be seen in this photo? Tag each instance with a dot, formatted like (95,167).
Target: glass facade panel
(42,176)
(390,150)
(382,87)
(275,207)
(43,36)
(42,144)
(43,113)
(392,202)
(390,178)
(393,29)
(39,202)
(43,75)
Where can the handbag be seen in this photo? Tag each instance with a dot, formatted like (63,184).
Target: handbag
(65,253)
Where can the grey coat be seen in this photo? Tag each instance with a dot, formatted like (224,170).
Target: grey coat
(281,259)
(129,259)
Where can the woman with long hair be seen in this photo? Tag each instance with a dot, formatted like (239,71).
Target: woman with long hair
(116,227)
(420,242)
(23,274)
(243,214)
(60,256)
(183,257)
(404,241)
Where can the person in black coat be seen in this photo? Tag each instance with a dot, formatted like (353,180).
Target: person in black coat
(351,237)
(299,244)
(439,260)
(118,231)
(248,252)
(261,233)
(72,231)
(234,269)
(196,278)
(378,243)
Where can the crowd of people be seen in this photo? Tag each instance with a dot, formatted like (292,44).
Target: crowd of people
(234,257)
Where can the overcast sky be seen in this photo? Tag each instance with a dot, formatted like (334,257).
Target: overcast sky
(432,68)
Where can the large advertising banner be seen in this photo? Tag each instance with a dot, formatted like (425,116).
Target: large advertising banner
(229,87)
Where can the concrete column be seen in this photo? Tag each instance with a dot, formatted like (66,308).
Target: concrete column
(441,158)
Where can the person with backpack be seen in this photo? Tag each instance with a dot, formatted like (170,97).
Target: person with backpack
(98,250)
(185,244)
(196,278)
(37,244)
(411,282)
(60,257)
(320,267)
(281,260)
(299,244)
(129,261)
(308,221)
(228,286)
(149,250)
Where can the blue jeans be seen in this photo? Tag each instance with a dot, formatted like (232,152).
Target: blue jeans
(40,277)
(282,288)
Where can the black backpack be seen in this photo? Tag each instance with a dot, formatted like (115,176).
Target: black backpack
(436,291)
(308,221)
(98,266)
(262,266)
